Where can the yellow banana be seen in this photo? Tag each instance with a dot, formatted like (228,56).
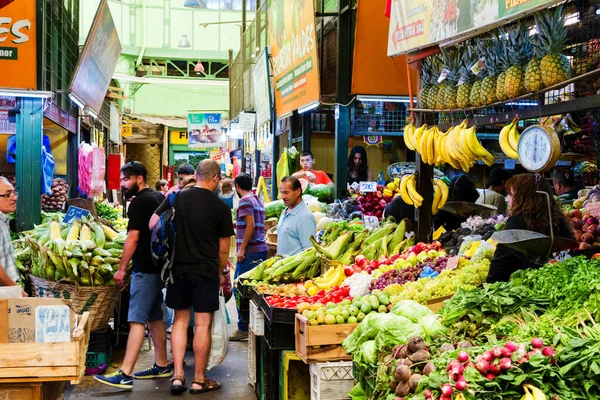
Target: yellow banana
(332,280)
(536,393)
(466,148)
(447,157)
(417,136)
(404,191)
(423,144)
(407,129)
(431,146)
(412,191)
(527,395)
(444,192)
(505,144)
(513,138)
(437,196)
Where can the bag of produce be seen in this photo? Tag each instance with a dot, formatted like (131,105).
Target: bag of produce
(220,337)
(467,242)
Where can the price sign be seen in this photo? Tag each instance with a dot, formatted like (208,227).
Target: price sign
(126,130)
(452,262)
(593,209)
(368,187)
(509,163)
(74,213)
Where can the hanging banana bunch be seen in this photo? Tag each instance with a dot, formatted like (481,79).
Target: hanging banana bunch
(509,139)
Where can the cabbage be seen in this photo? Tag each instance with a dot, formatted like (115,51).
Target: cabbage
(432,328)
(411,310)
(357,393)
(315,206)
(324,223)
(367,350)
(366,330)
(397,330)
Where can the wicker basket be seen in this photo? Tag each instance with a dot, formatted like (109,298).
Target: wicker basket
(272,251)
(270,224)
(100,301)
(272,235)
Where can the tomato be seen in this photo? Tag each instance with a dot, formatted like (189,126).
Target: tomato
(321,292)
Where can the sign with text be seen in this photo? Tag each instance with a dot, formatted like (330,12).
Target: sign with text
(98,60)
(368,187)
(416,24)
(18,44)
(593,209)
(262,89)
(126,130)
(204,130)
(293,46)
(74,213)
(247,121)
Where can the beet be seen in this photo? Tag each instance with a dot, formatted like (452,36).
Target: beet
(415,344)
(404,361)
(397,350)
(429,368)
(402,389)
(393,385)
(446,347)
(403,373)
(465,344)
(413,382)
(420,356)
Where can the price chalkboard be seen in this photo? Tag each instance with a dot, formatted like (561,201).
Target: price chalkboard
(368,187)
(74,213)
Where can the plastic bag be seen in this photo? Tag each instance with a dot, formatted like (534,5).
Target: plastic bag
(428,272)
(47,172)
(220,337)
(485,250)
(467,243)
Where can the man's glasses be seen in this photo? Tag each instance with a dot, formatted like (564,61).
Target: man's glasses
(8,195)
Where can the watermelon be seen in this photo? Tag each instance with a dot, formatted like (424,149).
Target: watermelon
(321,192)
(274,209)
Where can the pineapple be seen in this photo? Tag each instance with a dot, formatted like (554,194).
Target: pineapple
(503,65)
(533,73)
(452,58)
(552,33)
(519,50)
(475,95)
(437,91)
(463,92)
(440,96)
(488,85)
(425,84)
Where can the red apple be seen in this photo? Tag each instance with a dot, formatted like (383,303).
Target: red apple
(591,221)
(585,227)
(348,271)
(577,223)
(576,214)
(587,237)
(592,229)
(584,246)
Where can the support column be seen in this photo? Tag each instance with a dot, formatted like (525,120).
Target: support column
(423,217)
(306,131)
(342,133)
(29,162)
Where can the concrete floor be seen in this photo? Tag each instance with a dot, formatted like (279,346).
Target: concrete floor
(232,373)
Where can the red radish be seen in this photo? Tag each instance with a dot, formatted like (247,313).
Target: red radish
(506,363)
(490,377)
(461,385)
(482,366)
(512,346)
(537,343)
(495,369)
(506,352)
(548,351)
(428,394)
(447,389)
(463,356)
(442,397)
(497,352)
(488,356)
(536,351)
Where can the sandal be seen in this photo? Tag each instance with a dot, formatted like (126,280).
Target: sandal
(206,386)
(178,389)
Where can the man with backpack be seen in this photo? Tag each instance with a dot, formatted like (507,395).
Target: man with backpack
(250,237)
(203,228)
(145,304)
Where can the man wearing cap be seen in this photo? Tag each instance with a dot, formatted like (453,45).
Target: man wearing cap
(185,177)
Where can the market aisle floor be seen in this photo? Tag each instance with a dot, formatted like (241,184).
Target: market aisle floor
(233,375)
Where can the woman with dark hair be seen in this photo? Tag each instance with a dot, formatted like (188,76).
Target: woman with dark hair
(528,210)
(358,169)
(461,188)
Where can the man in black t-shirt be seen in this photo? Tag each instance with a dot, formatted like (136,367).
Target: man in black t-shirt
(145,305)
(204,228)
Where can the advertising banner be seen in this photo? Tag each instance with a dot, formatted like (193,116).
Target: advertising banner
(18,44)
(416,24)
(98,60)
(262,89)
(294,51)
(204,130)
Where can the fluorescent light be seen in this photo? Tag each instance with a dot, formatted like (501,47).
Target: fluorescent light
(91,113)
(184,42)
(522,103)
(386,99)
(286,115)
(309,107)
(171,81)
(75,99)
(572,19)
(26,93)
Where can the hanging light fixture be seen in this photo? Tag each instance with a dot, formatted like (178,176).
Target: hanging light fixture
(194,4)
(199,68)
(184,42)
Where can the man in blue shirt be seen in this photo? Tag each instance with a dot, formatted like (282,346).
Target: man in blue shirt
(297,222)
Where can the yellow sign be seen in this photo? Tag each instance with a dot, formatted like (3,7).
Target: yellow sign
(18,44)
(126,130)
(179,137)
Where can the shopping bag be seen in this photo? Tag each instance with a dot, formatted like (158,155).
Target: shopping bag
(220,336)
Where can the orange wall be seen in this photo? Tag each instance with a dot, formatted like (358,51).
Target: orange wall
(373,71)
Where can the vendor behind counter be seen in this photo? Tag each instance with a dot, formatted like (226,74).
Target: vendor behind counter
(461,188)
(528,210)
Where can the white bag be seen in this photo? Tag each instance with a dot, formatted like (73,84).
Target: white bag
(220,336)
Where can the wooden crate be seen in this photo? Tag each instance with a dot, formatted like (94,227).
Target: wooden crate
(46,362)
(436,304)
(32,391)
(327,337)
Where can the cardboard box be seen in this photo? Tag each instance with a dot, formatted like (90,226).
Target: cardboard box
(32,319)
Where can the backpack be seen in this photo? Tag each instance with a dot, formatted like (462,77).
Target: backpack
(163,242)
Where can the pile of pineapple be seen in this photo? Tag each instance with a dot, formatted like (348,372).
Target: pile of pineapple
(515,63)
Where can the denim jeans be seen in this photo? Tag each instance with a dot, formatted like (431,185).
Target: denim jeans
(241,268)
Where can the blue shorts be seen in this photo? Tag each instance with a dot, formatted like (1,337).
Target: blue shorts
(146,299)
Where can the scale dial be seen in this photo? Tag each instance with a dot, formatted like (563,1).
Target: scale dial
(539,148)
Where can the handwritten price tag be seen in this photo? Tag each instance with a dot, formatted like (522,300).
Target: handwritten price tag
(368,187)
(452,262)
(593,209)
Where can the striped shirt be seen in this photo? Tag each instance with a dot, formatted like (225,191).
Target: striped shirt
(7,253)
(251,205)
